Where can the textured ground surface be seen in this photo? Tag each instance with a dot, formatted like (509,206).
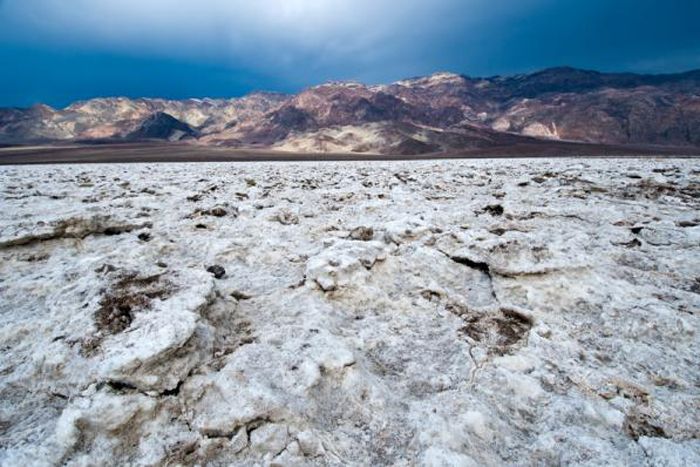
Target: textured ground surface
(420,313)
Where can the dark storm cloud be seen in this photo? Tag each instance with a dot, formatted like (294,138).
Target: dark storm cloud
(182,48)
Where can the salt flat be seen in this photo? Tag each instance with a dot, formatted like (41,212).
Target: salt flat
(491,312)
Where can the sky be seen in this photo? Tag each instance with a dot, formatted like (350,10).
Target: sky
(59,51)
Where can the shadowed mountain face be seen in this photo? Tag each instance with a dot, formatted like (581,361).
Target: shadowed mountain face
(430,114)
(160,125)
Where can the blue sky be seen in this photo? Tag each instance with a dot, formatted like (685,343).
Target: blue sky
(58,51)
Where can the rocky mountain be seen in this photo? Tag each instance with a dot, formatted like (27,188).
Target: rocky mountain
(161,125)
(437,113)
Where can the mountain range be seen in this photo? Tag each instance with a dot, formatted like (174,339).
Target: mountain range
(438,113)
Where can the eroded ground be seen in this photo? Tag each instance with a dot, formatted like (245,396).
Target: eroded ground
(418,313)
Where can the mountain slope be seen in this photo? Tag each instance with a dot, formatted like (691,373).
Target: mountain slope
(161,125)
(437,113)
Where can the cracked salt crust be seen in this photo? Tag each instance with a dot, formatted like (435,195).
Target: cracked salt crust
(494,312)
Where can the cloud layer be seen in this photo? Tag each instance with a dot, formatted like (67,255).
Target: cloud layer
(300,42)
(266,34)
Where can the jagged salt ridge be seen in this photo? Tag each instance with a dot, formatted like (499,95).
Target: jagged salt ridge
(431,313)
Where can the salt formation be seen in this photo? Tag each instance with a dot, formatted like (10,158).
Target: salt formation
(495,312)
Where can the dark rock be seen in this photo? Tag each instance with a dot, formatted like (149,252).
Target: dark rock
(634,243)
(217,271)
(494,209)
(111,231)
(217,211)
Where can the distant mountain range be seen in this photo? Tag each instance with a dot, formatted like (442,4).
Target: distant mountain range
(441,112)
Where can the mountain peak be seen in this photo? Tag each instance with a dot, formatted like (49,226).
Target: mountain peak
(349,84)
(439,78)
(445,75)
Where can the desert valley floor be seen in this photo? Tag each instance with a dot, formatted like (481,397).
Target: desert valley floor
(473,312)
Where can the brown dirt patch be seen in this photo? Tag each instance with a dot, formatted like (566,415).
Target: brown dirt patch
(127,296)
(500,332)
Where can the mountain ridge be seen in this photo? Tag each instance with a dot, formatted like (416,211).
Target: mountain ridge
(436,113)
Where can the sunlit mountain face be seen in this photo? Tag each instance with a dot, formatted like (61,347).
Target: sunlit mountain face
(437,113)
